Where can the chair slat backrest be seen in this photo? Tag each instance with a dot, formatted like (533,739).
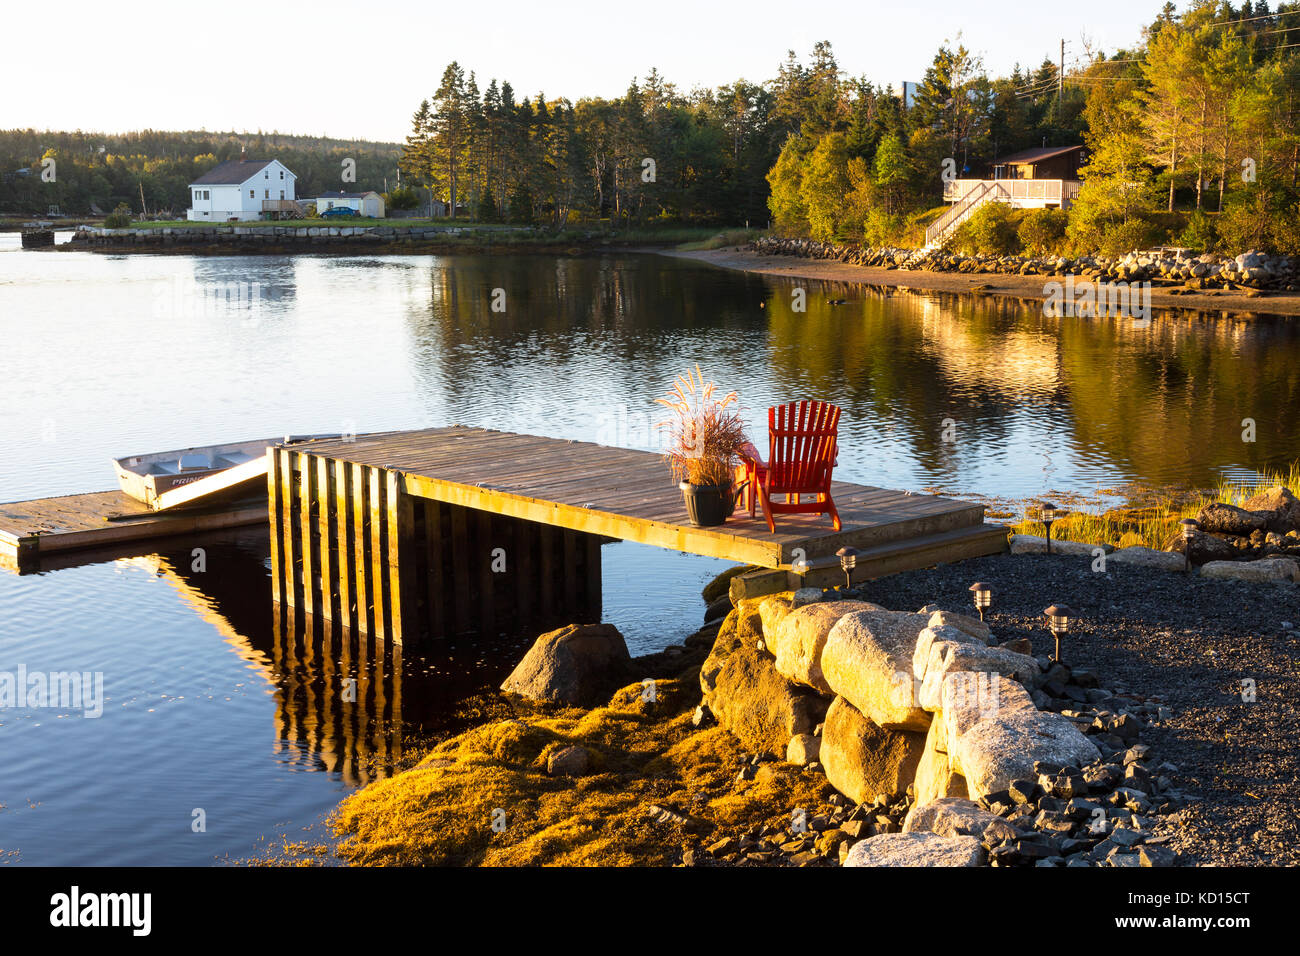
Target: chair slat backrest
(803,443)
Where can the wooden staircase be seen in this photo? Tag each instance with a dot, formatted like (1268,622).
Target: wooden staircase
(992,191)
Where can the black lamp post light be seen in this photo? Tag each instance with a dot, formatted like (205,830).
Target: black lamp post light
(1190,527)
(1058,619)
(848,561)
(1047,514)
(983,595)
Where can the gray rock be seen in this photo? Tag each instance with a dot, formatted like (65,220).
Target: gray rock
(916,849)
(1265,569)
(867,660)
(568,762)
(1037,544)
(1148,558)
(862,759)
(579,664)
(953,816)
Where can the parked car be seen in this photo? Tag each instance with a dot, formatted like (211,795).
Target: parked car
(338,211)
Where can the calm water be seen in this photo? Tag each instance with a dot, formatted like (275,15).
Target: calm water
(214,704)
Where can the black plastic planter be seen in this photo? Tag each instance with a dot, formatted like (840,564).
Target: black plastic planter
(708,505)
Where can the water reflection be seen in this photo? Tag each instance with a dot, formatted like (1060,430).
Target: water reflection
(1036,401)
(345,703)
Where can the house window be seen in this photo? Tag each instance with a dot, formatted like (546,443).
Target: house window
(197,194)
(281,193)
(267,194)
(266,175)
(282,174)
(252,194)
(207,194)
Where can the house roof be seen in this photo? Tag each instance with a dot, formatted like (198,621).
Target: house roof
(232,172)
(1026,156)
(342,195)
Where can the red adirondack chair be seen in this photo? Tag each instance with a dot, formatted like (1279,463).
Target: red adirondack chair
(803,441)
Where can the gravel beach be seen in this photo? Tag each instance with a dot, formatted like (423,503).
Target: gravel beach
(1192,644)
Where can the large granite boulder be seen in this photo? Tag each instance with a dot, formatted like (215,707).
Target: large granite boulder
(800,636)
(962,622)
(867,661)
(954,816)
(935,775)
(916,849)
(948,657)
(862,759)
(1279,508)
(1265,569)
(581,664)
(758,706)
(937,634)
(1205,547)
(995,733)
(1223,518)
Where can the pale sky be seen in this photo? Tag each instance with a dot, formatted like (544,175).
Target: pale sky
(351,69)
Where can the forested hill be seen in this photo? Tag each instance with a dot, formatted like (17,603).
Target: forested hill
(110,168)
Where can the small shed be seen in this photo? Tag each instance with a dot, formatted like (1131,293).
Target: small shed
(369,204)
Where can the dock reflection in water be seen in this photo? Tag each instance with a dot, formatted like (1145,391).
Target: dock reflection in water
(345,703)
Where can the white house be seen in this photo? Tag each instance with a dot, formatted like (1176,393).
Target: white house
(368,203)
(242,189)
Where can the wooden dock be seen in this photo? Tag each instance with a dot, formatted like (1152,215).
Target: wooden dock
(47,532)
(454,529)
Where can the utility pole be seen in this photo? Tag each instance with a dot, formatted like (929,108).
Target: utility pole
(1060,82)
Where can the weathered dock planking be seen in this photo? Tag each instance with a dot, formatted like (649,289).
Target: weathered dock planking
(436,531)
(37,534)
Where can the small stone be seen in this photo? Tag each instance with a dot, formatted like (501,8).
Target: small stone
(803,749)
(1022,791)
(1157,856)
(1125,837)
(568,762)
(856,828)
(722,847)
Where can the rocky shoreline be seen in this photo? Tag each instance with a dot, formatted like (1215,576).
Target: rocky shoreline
(820,729)
(1179,271)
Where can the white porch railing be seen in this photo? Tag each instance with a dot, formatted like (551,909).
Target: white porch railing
(1018,190)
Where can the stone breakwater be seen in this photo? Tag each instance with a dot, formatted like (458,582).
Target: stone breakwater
(1176,272)
(277,238)
(944,746)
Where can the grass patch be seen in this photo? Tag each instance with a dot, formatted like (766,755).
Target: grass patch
(1154,522)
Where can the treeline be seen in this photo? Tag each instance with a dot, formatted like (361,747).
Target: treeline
(1193,138)
(98,171)
(652,154)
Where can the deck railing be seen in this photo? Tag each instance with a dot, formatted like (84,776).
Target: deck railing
(1019,190)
